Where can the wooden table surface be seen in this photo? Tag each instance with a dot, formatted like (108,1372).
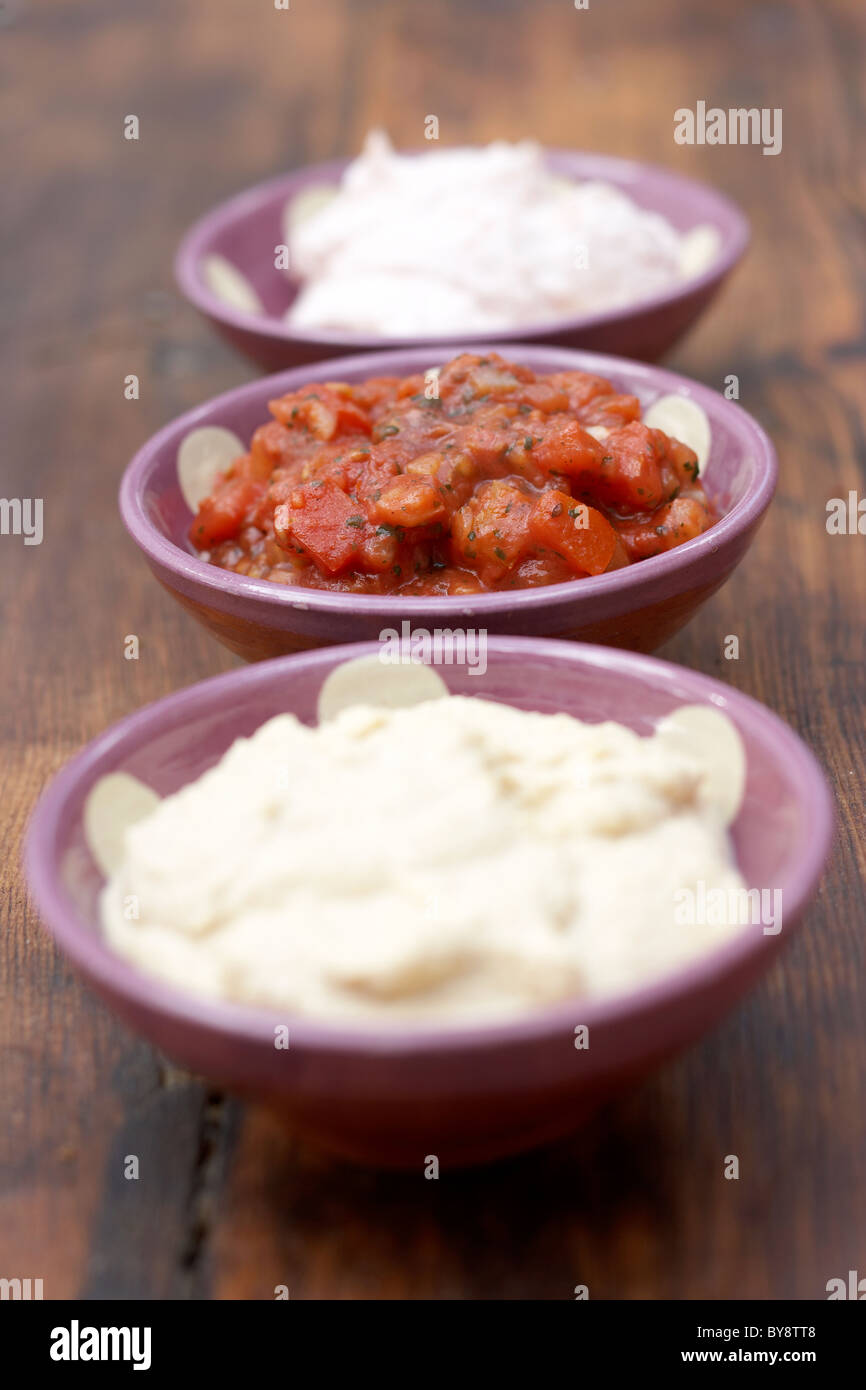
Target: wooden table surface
(228,1203)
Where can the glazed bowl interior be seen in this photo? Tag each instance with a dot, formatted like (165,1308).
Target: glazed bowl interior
(780,836)
(246,229)
(739,478)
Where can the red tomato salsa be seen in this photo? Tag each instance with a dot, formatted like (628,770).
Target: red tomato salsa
(488,478)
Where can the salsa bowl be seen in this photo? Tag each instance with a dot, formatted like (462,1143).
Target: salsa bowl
(245,229)
(638,607)
(394,1094)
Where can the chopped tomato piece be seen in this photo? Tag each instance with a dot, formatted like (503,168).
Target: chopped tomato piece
(570,450)
(378,549)
(322,411)
(408,500)
(546,396)
(369,394)
(426,465)
(485,446)
(323,521)
(542,567)
(268,448)
(580,387)
(630,474)
(580,534)
(223,513)
(684,463)
(490,531)
(681,520)
(443,582)
(611,411)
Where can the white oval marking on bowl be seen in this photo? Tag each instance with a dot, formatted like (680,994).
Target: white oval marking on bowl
(113,804)
(204,454)
(699,248)
(230,285)
(712,739)
(687,421)
(368,681)
(306,204)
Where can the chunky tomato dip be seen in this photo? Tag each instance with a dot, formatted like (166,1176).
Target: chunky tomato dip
(487,477)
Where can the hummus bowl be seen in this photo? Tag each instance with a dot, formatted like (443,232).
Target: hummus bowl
(394,1094)
(637,607)
(244,230)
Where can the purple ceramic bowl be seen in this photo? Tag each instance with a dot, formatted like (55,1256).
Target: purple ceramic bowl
(638,607)
(393,1095)
(245,230)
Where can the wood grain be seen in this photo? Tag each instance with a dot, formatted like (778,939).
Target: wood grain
(228,1204)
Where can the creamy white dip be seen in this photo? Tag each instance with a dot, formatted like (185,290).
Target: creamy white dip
(472,240)
(454,860)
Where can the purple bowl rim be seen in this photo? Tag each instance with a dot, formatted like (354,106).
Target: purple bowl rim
(200,235)
(162,551)
(90,953)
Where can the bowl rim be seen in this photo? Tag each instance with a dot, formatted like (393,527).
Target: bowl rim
(165,553)
(90,953)
(727,217)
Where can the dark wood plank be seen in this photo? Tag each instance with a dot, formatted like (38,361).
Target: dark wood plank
(228,1203)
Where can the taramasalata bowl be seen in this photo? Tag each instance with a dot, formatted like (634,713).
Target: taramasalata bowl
(245,230)
(393,1094)
(638,607)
